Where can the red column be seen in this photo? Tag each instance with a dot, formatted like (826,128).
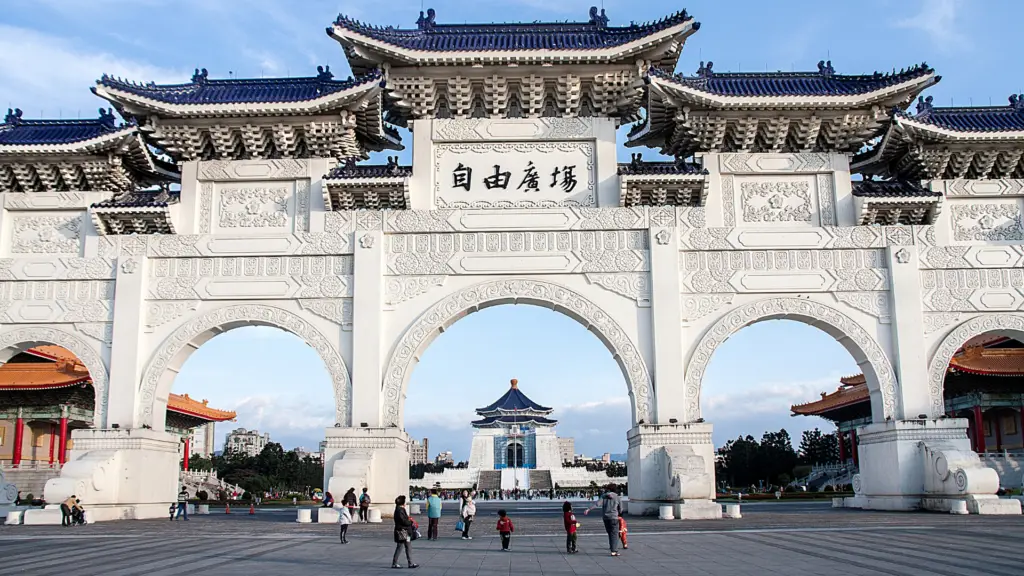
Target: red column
(19,435)
(53,434)
(62,449)
(997,424)
(188,446)
(979,430)
(842,448)
(853,446)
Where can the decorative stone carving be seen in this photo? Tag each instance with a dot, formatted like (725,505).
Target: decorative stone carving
(442,313)
(472,129)
(899,236)
(129,266)
(856,236)
(45,201)
(254,208)
(697,307)
(836,270)
(102,331)
(366,241)
(873,303)
(281,276)
(993,187)
(760,163)
(826,200)
(968,290)
(729,201)
(302,206)
(205,207)
(936,321)
(278,169)
(880,374)
(902,256)
(663,237)
(369,220)
(88,268)
(987,222)
(633,285)
(776,201)
(87,311)
(398,290)
(46,234)
(692,217)
(342,222)
(24,338)
(248,314)
(62,290)
(955,340)
(160,313)
(338,310)
(663,216)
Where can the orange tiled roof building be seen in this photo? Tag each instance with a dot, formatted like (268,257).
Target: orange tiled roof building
(984,383)
(46,392)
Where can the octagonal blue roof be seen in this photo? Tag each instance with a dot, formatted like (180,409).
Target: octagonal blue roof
(493,421)
(17,131)
(513,401)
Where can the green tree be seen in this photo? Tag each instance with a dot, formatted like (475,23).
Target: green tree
(819,448)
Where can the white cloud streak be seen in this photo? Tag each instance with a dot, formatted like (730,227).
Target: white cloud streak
(939,20)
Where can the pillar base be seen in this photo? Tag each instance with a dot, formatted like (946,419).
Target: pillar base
(373,458)
(672,464)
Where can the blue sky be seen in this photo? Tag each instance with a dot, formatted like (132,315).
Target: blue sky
(52,51)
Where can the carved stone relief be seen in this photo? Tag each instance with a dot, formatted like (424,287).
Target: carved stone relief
(337,310)
(633,285)
(769,163)
(254,207)
(455,305)
(553,128)
(776,201)
(873,303)
(302,203)
(729,201)
(253,314)
(160,313)
(809,311)
(251,277)
(696,307)
(826,200)
(55,311)
(279,169)
(987,222)
(45,201)
(400,289)
(47,234)
(995,187)
(205,207)
(936,321)
(808,270)
(102,331)
(550,219)
(85,290)
(972,290)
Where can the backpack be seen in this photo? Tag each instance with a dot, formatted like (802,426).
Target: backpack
(364,500)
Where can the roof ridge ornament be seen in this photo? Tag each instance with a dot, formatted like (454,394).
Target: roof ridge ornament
(514,383)
(1017,102)
(107,118)
(200,76)
(13,117)
(825,68)
(705,71)
(426,22)
(324,73)
(598,19)
(925,106)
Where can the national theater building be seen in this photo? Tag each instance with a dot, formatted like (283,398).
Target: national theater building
(46,393)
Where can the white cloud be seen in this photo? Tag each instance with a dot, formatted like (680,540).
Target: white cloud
(766,398)
(938,19)
(47,74)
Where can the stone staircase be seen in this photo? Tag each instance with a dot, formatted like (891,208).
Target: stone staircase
(489,480)
(30,480)
(541,480)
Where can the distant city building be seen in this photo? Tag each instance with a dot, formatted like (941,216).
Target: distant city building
(444,458)
(418,452)
(248,442)
(302,453)
(566,449)
(323,449)
(606,458)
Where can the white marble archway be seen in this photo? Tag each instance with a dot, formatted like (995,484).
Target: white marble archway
(1008,324)
(447,311)
(18,340)
(172,353)
(878,371)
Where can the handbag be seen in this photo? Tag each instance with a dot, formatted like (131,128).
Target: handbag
(460,526)
(403,535)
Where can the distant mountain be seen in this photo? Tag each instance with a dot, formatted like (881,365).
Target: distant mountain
(618,457)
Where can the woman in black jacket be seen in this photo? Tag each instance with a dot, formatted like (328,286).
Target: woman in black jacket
(403,532)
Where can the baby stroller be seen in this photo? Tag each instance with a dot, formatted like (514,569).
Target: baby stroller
(77,516)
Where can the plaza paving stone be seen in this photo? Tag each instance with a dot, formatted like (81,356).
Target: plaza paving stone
(791,540)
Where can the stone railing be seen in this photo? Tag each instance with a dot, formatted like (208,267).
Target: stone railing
(29,465)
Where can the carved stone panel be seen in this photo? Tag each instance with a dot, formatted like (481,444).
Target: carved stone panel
(254,207)
(783,271)
(251,277)
(774,163)
(279,169)
(51,234)
(46,201)
(553,128)
(988,222)
(775,201)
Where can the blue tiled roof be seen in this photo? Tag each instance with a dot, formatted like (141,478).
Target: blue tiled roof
(513,420)
(431,37)
(205,91)
(352,170)
(17,131)
(638,166)
(821,83)
(972,119)
(891,189)
(158,198)
(513,400)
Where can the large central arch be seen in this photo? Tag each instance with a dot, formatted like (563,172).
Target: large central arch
(497,292)
(186,339)
(878,371)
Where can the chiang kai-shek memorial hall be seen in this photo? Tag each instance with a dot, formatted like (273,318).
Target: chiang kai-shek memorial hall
(819,196)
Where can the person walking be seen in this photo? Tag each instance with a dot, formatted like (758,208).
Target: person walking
(349,501)
(182,503)
(344,518)
(403,536)
(611,510)
(505,530)
(571,525)
(433,514)
(467,512)
(364,506)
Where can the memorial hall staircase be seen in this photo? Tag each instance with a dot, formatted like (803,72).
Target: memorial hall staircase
(489,480)
(541,480)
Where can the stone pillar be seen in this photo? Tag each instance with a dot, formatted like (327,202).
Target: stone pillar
(672,464)
(375,458)
(666,330)
(188,447)
(842,446)
(63,447)
(126,349)
(367,320)
(909,357)
(53,434)
(853,447)
(19,439)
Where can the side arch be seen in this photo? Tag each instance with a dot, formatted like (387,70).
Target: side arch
(878,371)
(1006,324)
(173,352)
(545,294)
(18,340)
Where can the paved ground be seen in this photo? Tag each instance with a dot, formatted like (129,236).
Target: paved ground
(789,539)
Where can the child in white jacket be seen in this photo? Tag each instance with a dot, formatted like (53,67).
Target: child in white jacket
(344,518)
